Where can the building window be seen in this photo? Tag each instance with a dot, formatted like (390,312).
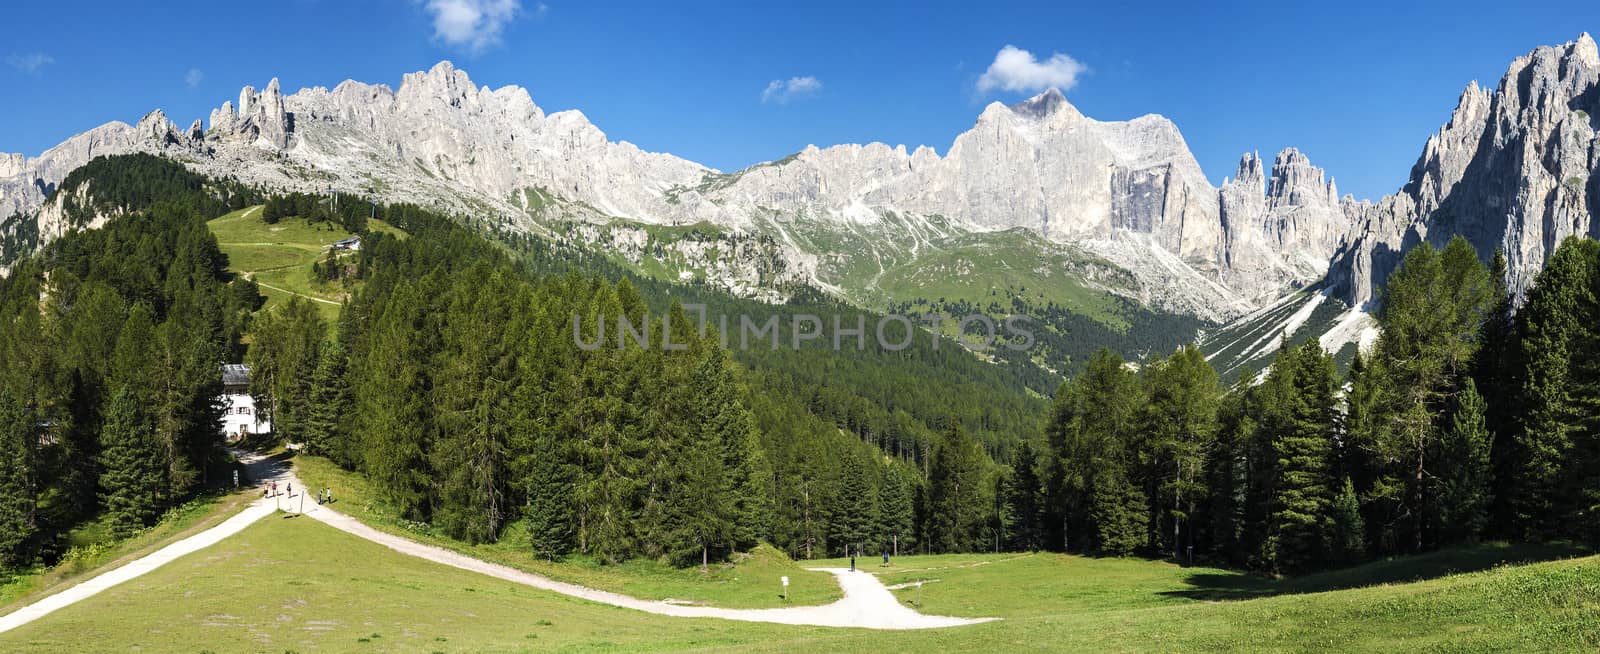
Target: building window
(244,411)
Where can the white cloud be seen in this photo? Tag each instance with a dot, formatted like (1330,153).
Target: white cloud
(29,63)
(193,77)
(1015,69)
(782,91)
(475,24)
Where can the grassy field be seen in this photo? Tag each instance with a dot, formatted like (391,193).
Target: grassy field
(279,256)
(95,550)
(288,584)
(753,581)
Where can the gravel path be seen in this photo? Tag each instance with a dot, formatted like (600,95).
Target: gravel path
(866,602)
(260,468)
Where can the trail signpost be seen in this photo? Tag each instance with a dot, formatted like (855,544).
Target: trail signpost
(785,579)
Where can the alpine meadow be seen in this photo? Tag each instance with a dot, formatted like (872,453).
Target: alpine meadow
(427,368)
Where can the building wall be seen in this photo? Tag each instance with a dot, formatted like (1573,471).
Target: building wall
(240,417)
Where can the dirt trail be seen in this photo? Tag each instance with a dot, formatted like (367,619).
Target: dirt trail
(258,467)
(866,602)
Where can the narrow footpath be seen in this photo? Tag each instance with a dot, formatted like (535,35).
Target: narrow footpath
(866,602)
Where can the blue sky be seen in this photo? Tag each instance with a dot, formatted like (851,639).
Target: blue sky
(1358,88)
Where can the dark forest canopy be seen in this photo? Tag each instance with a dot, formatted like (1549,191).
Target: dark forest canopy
(1463,423)
(453,381)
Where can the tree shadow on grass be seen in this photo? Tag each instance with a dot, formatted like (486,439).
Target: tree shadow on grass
(1212,586)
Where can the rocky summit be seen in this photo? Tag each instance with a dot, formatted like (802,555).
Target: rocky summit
(1513,169)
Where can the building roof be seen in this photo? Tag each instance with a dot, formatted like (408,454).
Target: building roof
(235,374)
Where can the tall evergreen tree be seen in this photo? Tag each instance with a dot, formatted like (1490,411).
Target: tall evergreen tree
(330,406)
(957,506)
(1302,490)
(19,481)
(130,458)
(1179,426)
(1349,531)
(548,515)
(1022,495)
(1432,310)
(1463,473)
(1560,395)
(896,508)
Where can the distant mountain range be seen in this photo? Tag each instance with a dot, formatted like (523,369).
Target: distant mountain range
(1074,210)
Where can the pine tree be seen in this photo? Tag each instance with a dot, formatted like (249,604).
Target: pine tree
(1464,472)
(896,508)
(1021,493)
(330,405)
(1180,424)
(1349,532)
(957,507)
(1553,488)
(548,515)
(1302,492)
(131,479)
(19,482)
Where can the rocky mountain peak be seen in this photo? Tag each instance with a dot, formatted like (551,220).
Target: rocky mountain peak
(1584,49)
(1044,105)
(1515,170)
(1295,182)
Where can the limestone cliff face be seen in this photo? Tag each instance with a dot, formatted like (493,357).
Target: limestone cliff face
(1514,169)
(1129,191)
(1280,231)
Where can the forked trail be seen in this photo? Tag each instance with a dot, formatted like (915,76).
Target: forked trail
(866,602)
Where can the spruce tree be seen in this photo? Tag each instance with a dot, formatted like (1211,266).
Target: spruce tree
(1464,472)
(896,508)
(130,477)
(330,406)
(548,515)
(1554,489)
(957,506)
(19,481)
(1021,495)
(1349,531)
(1302,491)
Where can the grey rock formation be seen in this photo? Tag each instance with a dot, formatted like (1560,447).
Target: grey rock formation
(1279,231)
(1127,191)
(1515,169)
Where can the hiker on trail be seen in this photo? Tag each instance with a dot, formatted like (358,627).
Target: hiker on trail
(288,487)
(852,560)
(274,488)
(886,557)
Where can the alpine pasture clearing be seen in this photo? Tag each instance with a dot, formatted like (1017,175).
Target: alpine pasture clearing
(292,584)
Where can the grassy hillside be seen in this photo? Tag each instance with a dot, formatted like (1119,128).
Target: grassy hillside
(95,550)
(280,256)
(751,582)
(289,584)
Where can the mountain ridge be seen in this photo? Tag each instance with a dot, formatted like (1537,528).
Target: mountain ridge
(1129,192)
